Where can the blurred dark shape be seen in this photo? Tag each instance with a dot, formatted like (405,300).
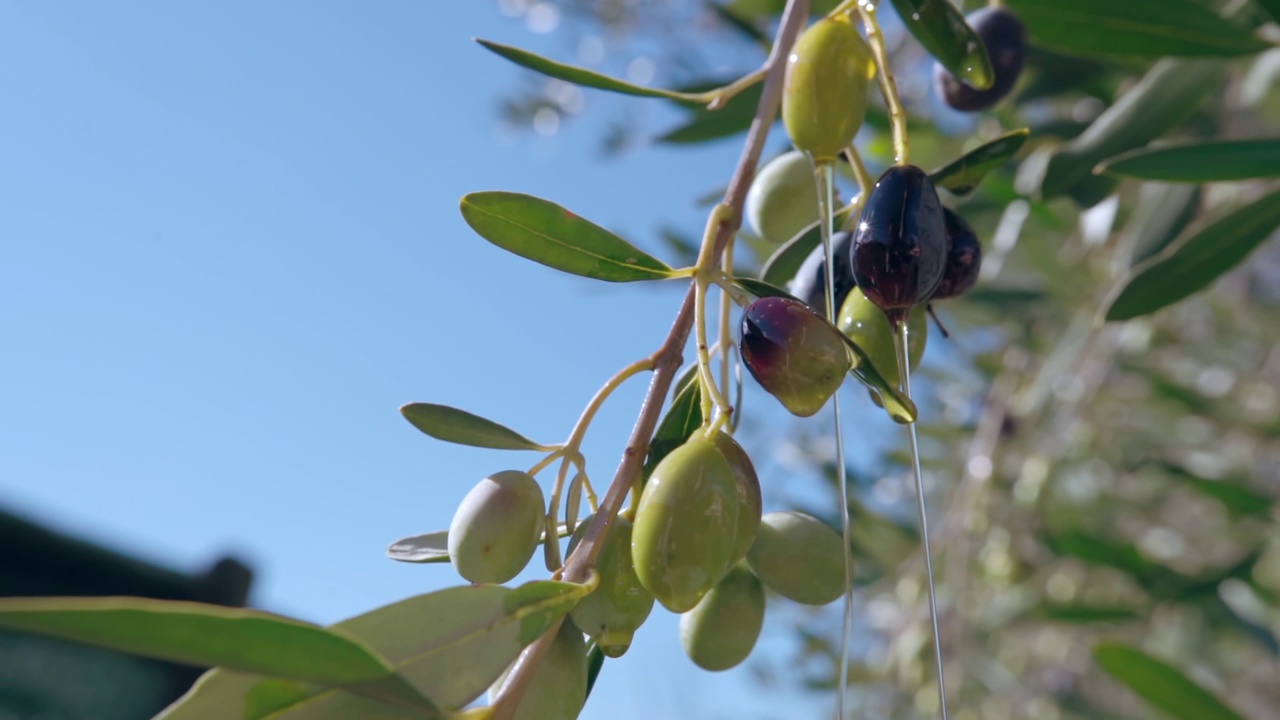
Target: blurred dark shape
(58,680)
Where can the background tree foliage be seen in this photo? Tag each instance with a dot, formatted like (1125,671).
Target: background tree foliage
(1103,493)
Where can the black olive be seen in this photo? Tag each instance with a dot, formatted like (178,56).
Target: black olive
(900,242)
(964,258)
(810,283)
(1006,39)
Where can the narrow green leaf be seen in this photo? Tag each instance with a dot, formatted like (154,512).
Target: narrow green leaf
(577,75)
(941,29)
(434,547)
(1196,259)
(459,426)
(546,233)
(963,175)
(1272,7)
(1099,551)
(1208,161)
(683,418)
(1134,28)
(762,289)
(1163,212)
(197,634)
(901,409)
(1235,498)
(1076,613)
(1169,92)
(782,266)
(225,695)
(1160,684)
(706,125)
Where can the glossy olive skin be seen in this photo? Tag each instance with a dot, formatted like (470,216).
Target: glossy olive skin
(1006,39)
(799,557)
(867,326)
(793,352)
(783,198)
(558,689)
(620,604)
(686,524)
(810,283)
(900,242)
(721,631)
(749,499)
(964,258)
(824,94)
(497,527)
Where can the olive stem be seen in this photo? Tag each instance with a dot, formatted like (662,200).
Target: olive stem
(544,462)
(705,270)
(889,88)
(716,99)
(865,181)
(903,349)
(666,360)
(725,305)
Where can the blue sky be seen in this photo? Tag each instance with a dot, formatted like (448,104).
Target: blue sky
(230,250)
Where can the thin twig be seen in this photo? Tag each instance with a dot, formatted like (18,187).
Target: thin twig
(667,359)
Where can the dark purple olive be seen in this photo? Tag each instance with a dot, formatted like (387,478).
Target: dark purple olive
(810,283)
(1006,39)
(964,258)
(793,352)
(900,242)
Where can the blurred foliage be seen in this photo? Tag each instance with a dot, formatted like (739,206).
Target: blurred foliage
(1089,482)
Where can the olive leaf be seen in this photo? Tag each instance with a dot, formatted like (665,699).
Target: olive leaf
(1272,8)
(900,407)
(762,289)
(1080,613)
(1161,684)
(785,262)
(578,75)
(546,233)
(706,125)
(1205,161)
(1196,259)
(459,426)
(1134,28)
(963,175)
(942,30)
(433,547)
(683,418)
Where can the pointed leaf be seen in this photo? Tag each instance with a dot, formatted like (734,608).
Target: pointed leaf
(551,235)
(433,547)
(1077,613)
(1134,28)
(782,266)
(942,30)
(901,408)
(1272,7)
(225,695)
(682,420)
(706,125)
(963,175)
(1208,161)
(198,634)
(459,426)
(1196,259)
(1160,684)
(577,75)
(762,289)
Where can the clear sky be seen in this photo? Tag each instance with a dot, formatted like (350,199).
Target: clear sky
(230,249)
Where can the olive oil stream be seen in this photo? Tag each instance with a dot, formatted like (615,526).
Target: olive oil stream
(824,175)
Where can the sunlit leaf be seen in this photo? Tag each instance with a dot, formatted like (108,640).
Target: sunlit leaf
(1134,28)
(1195,260)
(705,125)
(551,235)
(900,407)
(459,426)
(1161,684)
(963,175)
(682,420)
(1207,161)
(782,266)
(577,75)
(433,547)
(762,289)
(942,30)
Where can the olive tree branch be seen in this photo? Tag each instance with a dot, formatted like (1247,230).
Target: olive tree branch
(668,357)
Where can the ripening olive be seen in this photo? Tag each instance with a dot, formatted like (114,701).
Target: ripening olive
(748,484)
(964,258)
(721,631)
(900,242)
(799,557)
(793,352)
(810,283)
(620,604)
(558,688)
(497,527)
(686,524)
(824,94)
(1006,39)
(783,199)
(866,325)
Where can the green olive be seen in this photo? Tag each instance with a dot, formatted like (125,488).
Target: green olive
(558,689)
(793,352)
(686,523)
(799,557)
(497,527)
(824,95)
(783,199)
(620,604)
(749,501)
(721,631)
(868,327)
